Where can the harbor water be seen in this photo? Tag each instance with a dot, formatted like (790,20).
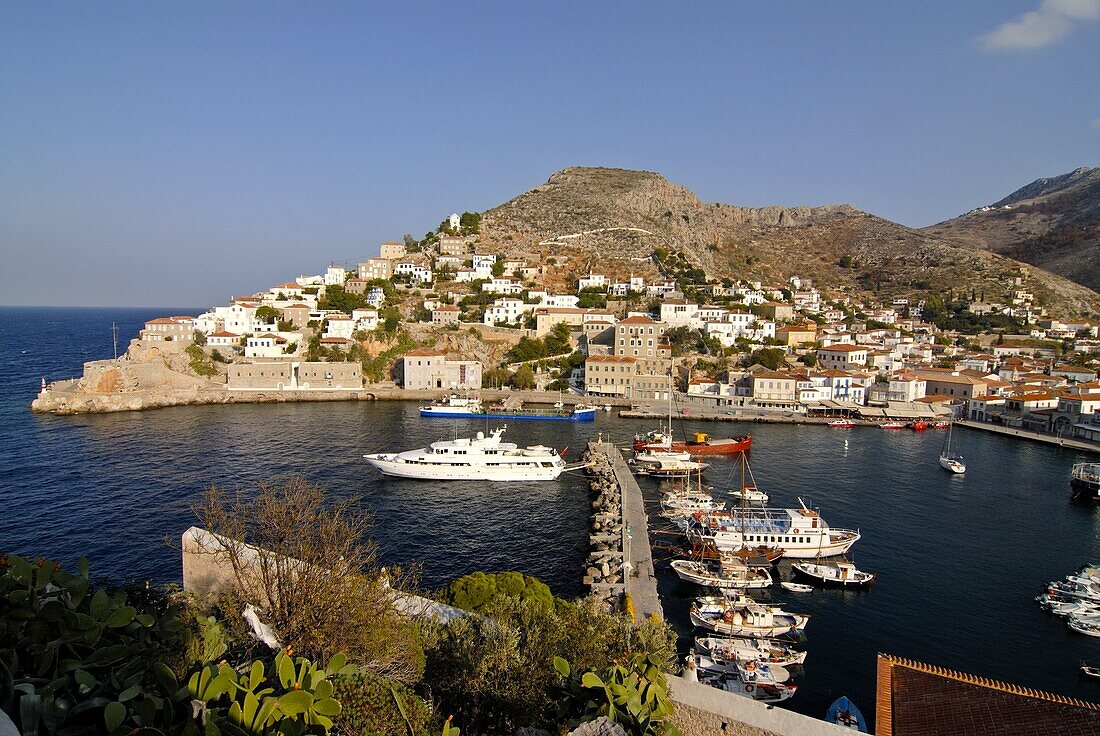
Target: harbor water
(959,558)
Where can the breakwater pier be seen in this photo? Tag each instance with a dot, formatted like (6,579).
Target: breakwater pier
(619,541)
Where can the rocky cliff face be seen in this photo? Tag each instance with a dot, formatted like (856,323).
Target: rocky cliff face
(1053,223)
(613,220)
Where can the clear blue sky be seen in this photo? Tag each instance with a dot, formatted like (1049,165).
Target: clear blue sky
(174,153)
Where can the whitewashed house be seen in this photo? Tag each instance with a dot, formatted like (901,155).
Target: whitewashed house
(507,310)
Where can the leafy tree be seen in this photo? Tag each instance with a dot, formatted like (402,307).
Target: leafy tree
(557,341)
(528,348)
(591,298)
(286,325)
(809,359)
(498,268)
(335,297)
(772,358)
(684,339)
(470,222)
(524,378)
(495,378)
(267,313)
(198,338)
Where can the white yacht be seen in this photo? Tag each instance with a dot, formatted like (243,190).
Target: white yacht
(800,533)
(480,458)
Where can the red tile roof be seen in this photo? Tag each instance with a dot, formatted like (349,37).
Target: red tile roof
(914,698)
(637,321)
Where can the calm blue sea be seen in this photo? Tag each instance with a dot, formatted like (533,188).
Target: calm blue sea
(959,559)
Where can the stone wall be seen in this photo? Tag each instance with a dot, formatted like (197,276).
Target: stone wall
(702,710)
(695,722)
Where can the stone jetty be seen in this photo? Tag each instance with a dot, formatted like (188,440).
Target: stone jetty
(620,560)
(603,574)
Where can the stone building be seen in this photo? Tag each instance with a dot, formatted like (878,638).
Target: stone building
(429,369)
(294,376)
(169,328)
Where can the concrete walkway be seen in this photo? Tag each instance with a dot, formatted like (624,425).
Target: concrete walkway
(1024,434)
(641,583)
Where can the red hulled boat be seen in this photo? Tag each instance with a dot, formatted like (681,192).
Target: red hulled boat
(702,444)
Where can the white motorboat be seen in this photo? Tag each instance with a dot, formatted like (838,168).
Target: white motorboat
(454,406)
(478,458)
(796,587)
(801,533)
(772,651)
(690,503)
(667,468)
(949,459)
(643,457)
(731,682)
(750,494)
(727,575)
(743,616)
(844,574)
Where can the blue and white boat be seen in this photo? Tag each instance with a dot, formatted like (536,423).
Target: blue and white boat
(843,712)
(461,407)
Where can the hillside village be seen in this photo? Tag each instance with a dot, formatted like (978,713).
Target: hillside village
(446,314)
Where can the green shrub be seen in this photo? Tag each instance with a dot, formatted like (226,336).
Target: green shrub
(372,706)
(77,659)
(474,592)
(200,364)
(495,672)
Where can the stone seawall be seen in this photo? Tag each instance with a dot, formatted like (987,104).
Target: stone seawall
(64,397)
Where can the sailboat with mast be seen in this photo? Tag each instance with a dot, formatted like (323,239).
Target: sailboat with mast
(950,460)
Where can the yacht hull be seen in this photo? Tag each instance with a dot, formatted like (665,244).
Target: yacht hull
(581,415)
(387,465)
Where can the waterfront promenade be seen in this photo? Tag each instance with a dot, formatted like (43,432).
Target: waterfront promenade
(641,582)
(1049,439)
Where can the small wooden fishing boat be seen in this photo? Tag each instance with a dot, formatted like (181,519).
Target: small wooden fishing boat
(732,682)
(705,549)
(841,424)
(728,575)
(747,649)
(843,712)
(1083,627)
(796,587)
(844,574)
(1089,668)
(744,617)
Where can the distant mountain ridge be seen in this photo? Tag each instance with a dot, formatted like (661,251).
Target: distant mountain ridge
(1053,223)
(614,220)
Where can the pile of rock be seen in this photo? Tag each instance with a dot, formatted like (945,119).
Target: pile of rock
(603,572)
